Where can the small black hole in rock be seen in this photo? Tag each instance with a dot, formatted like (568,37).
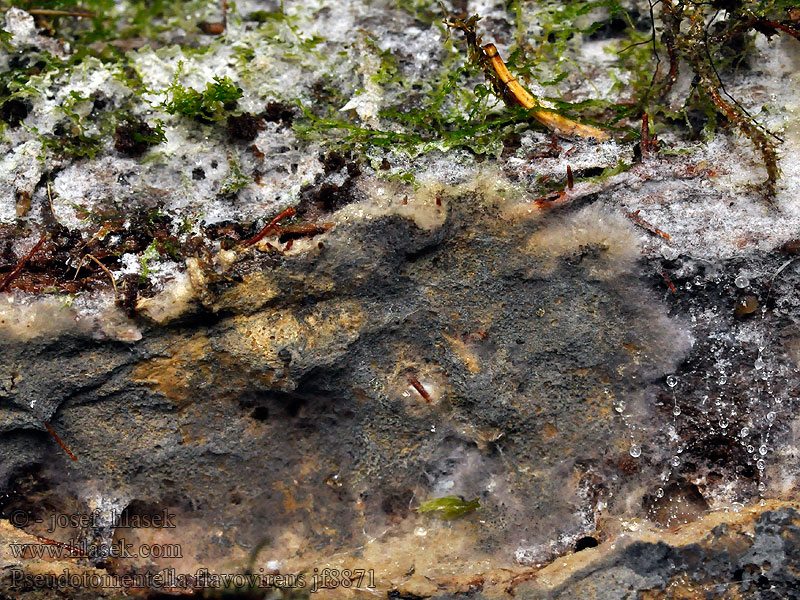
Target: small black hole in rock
(260,413)
(585,542)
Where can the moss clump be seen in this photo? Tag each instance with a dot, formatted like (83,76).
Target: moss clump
(714,40)
(212,104)
(234,181)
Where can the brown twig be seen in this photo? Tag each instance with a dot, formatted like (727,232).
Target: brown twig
(672,27)
(50,202)
(60,443)
(795,33)
(302,229)
(668,281)
(758,137)
(548,200)
(570,180)
(414,382)
(105,268)
(50,12)
(288,212)
(634,216)
(9,278)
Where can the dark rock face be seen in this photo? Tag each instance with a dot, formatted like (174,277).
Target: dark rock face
(306,399)
(388,364)
(287,334)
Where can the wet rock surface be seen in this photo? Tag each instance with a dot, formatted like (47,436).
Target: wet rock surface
(289,347)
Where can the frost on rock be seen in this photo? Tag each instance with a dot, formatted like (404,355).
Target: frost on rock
(311,272)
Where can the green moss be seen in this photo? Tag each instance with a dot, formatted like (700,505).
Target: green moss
(212,104)
(150,253)
(285,30)
(450,108)
(234,180)
(712,49)
(144,134)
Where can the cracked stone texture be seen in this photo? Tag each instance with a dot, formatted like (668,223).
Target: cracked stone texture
(582,377)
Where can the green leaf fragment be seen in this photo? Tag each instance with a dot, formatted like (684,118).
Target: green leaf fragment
(449,507)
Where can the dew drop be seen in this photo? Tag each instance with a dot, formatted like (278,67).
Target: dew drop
(660,493)
(750,449)
(762,486)
(635,451)
(742,281)
(762,450)
(675,461)
(723,423)
(676,411)
(761,464)
(745,432)
(771,417)
(672,381)
(759,364)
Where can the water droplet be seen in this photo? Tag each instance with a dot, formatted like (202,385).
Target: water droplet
(762,486)
(723,423)
(660,493)
(745,432)
(750,449)
(762,450)
(761,464)
(742,281)
(771,417)
(675,462)
(676,411)
(759,364)
(672,381)
(619,406)
(722,380)
(635,451)
(698,280)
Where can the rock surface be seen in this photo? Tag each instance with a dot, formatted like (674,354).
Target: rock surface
(611,367)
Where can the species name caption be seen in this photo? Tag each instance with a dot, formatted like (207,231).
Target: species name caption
(169,579)
(318,579)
